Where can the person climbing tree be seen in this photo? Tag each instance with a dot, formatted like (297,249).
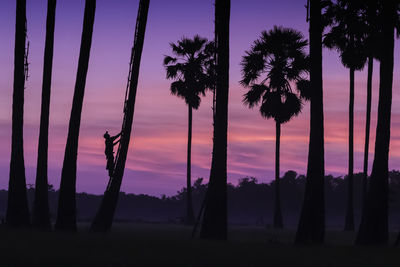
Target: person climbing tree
(104,217)
(109,151)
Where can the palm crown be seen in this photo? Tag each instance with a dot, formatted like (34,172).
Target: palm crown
(189,67)
(276,61)
(348,32)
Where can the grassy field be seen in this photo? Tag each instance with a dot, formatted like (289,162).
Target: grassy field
(170,245)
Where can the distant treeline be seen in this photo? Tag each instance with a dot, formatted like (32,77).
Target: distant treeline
(250,202)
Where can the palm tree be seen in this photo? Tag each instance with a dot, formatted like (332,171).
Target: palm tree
(104,217)
(189,70)
(370,17)
(279,55)
(66,213)
(17,205)
(374,221)
(347,35)
(311,228)
(214,224)
(41,216)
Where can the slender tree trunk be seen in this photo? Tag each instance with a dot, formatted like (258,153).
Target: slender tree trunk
(66,213)
(311,228)
(278,221)
(367,127)
(189,205)
(214,225)
(105,215)
(41,216)
(349,220)
(17,205)
(374,222)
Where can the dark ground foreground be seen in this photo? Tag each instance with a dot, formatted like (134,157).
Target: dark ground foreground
(169,245)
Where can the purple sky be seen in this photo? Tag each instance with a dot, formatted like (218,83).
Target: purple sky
(157,155)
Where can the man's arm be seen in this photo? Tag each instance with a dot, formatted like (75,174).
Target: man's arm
(115,137)
(116,142)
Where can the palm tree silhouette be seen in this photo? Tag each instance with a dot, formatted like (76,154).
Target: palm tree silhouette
(40,215)
(189,70)
(347,35)
(215,218)
(66,213)
(105,215)
(370,16)
(311,227)
(374,221)
(17,205)
(276,60)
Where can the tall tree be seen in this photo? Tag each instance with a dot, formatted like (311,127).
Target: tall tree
(370,17)
(41,216)
(374,221)
(17,205)
(276,60)
(347,35)
(311,228)
(214,225)
(188,67)
(66,213)
(104,217)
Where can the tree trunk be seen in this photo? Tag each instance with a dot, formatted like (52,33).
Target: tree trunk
(311,228)
(41,216)
(278,221)
(66,213)
(374,222)
(349,219)
(214,225)
(104,217)
(17,205)
(367,127)
(189,205)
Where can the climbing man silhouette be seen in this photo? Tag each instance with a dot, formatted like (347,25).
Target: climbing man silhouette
(109,151)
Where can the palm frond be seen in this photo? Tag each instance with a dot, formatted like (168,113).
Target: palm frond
(174,70)
(252,64)
(254,95)
(168,60)
(178,88)
(271,105)
(177,49)
(304,87)
(291,107)
(193,100)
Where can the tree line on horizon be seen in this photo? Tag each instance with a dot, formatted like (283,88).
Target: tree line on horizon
(280,77)
(250,202)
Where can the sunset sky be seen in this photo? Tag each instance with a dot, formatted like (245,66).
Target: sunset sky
(157,156)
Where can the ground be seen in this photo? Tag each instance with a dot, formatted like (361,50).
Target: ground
(170,245)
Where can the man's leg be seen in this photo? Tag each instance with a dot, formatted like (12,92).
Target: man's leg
(110,166)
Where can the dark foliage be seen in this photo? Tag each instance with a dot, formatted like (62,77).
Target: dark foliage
(249,202)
